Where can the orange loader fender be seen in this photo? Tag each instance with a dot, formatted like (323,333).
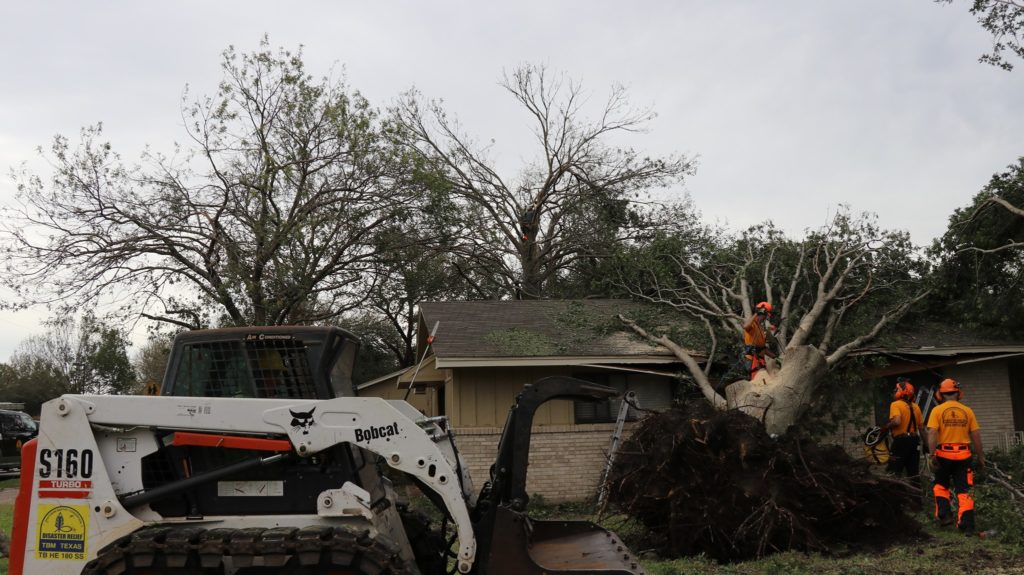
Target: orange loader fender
(19,535)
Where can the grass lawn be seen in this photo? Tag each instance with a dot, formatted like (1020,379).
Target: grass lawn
(6,519)
(945,551)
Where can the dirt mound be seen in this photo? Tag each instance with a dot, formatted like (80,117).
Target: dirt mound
(704,481)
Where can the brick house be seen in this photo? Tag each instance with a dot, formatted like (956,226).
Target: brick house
(484,352)
(990,372)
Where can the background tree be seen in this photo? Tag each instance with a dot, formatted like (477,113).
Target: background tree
(833,291)
(578,198)
(1004,19)
(151,360)
(84,356)
(422,270)
(980,276)
(269,215)
(31,380)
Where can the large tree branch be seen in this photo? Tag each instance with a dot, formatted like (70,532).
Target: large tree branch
(887,318)
(716,400)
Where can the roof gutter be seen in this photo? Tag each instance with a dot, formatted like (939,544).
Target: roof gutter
(552,361)
(631,370)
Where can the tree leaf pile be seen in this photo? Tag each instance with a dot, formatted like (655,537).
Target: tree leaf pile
(715,483)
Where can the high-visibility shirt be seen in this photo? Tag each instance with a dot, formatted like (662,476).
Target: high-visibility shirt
(754,335)
(954,422)
(904,410)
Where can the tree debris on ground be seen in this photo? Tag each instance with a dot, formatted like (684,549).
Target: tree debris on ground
(715,483)
(1014,488)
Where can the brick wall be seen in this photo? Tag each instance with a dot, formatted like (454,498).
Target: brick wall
(566,461)
(986,387)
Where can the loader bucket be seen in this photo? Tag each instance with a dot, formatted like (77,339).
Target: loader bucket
(532,547)
(510,543)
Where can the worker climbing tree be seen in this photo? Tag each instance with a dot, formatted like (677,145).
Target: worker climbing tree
(756,331)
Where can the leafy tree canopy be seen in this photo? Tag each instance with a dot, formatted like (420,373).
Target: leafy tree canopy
(84,356)
(1004,20)
(277,210)
(980,276)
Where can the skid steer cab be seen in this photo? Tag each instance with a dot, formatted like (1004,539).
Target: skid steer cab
(258,458)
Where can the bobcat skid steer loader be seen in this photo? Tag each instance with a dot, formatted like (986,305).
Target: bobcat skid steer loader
(257,458)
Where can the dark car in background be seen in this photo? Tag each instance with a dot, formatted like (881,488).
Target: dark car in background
(16,428)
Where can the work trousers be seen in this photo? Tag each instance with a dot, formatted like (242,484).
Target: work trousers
(753,360)
(954,473)
(904,456)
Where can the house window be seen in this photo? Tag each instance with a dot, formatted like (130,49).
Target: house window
(652,392)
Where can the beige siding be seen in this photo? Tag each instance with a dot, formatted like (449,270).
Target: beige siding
(481,397)
(426,402)
(986,387)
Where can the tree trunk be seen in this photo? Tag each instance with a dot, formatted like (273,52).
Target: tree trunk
(778,396)
(531,286)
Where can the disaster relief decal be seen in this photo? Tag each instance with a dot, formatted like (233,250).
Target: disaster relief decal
(62,532)
(382,432)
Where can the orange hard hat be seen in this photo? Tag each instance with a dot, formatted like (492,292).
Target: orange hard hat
(949,386)
(904,389)
(765,306)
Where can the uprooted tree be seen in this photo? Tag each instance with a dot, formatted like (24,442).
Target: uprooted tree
(715,483)
(834,290)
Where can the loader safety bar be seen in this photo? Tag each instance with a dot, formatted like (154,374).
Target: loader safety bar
(182,438)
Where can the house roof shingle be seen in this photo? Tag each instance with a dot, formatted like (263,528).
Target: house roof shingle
(538,328)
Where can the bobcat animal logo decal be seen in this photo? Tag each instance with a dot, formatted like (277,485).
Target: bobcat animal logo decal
(302,420)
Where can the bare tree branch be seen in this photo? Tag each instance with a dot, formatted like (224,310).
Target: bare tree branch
(691,364)
(555,211)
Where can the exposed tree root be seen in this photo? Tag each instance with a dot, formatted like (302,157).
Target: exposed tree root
(713,482)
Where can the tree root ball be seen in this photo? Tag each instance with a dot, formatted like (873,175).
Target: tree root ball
(714,482)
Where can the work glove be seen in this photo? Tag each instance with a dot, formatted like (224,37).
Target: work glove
(980,464)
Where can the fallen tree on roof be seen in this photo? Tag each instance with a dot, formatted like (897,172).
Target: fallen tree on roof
(834,291)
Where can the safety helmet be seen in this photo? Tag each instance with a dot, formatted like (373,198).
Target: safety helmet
(949,386)
(765,306)
(904,389)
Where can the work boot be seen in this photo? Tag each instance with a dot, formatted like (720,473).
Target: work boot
(966,523)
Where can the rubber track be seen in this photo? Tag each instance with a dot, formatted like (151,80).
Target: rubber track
(190,549)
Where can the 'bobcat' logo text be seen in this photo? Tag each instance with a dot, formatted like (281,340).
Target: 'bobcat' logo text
(382,432)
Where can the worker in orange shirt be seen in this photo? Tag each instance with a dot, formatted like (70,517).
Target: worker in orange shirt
(906,427)
(755,337)
(953,437)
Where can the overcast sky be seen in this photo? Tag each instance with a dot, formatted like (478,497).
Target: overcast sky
(792,107)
